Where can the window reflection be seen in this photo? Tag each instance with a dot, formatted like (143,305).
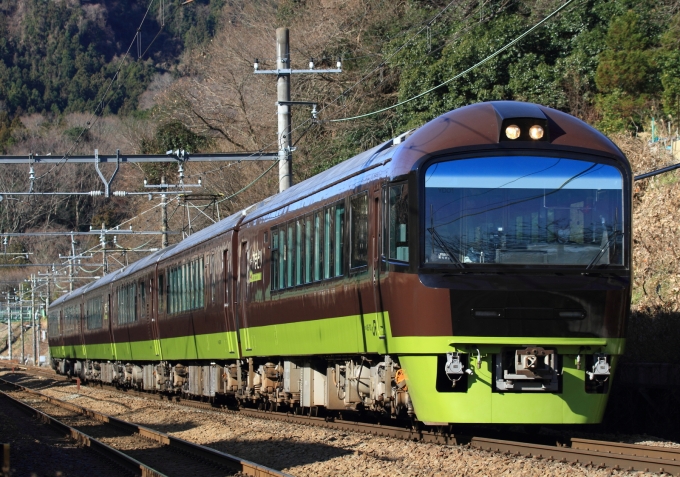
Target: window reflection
(523,210)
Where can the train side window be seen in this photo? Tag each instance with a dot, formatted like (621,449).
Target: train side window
(213,277)
(161,294)
(201,275)
(282,257)
(290,255)
(299,257)
(339,240)
(358,231)
(274,261)
(318,242)
(200,266)
(142,296)
(309,232)
(328,242)
(398,222)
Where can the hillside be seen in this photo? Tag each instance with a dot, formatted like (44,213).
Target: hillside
(614,64)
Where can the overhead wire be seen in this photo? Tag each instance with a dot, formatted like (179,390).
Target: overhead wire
(102,105)
(476,65)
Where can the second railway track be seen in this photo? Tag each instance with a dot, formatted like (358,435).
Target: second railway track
(586,452)
(140,450)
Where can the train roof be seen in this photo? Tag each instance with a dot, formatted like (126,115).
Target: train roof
(106,279)
(475,126)
(324,180)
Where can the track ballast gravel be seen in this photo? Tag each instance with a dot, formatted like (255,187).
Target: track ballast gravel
(308,451)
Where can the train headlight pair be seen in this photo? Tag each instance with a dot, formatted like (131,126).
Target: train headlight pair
(513,132)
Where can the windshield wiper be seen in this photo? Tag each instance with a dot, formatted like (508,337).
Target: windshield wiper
(442,244)
(605,247)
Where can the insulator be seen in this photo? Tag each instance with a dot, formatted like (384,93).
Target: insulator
(31,173)
(120,193)
(95,193)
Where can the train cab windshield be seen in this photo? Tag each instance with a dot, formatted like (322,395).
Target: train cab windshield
(523,210)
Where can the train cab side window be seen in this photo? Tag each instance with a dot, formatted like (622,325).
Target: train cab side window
(274,260)
(358,256)
(398,222)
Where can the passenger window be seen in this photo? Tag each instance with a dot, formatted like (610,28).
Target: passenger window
(161,294)
(398,198)
(298,251)
(275,261)
(339,241)
(328,242)
(309,248)
(359,231)
(290,255)
(318,242)
(282,258)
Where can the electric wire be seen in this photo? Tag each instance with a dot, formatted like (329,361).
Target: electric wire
(101,106)
(475,66)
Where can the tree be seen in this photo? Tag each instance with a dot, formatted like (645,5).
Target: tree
(626,74)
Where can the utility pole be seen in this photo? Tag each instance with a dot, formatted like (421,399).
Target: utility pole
(9,328)
(35,347)
(283,97)
(70,264)
(164,217)
(21,319)
(283,73)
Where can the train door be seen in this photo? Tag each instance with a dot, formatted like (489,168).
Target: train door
(108,323)
(82,326)
(376,243)
(232,328)
(151,316)
(243,296)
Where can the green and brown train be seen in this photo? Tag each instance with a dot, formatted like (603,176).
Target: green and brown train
(474,270)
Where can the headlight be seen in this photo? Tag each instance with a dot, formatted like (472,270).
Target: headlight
(536,132)
(512,131)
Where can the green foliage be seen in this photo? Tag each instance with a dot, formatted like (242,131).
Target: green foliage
(626,74)
(7,129)
(59,57)
(669,65)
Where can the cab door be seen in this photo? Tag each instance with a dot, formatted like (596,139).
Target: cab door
(375,216)
(242,300)
(232,328)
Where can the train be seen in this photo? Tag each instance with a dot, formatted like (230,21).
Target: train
(476,269)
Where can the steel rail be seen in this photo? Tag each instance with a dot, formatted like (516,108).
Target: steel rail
(615,455)
(598,453)
(216,457)
(123,460)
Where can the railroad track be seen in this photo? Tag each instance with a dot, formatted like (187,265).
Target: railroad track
(578,451)
(138,449)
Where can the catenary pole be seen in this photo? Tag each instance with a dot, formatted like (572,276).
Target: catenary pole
(283,97)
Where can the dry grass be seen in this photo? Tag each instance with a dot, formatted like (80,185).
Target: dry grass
(654,327)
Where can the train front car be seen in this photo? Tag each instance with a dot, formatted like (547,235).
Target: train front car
(507,271)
